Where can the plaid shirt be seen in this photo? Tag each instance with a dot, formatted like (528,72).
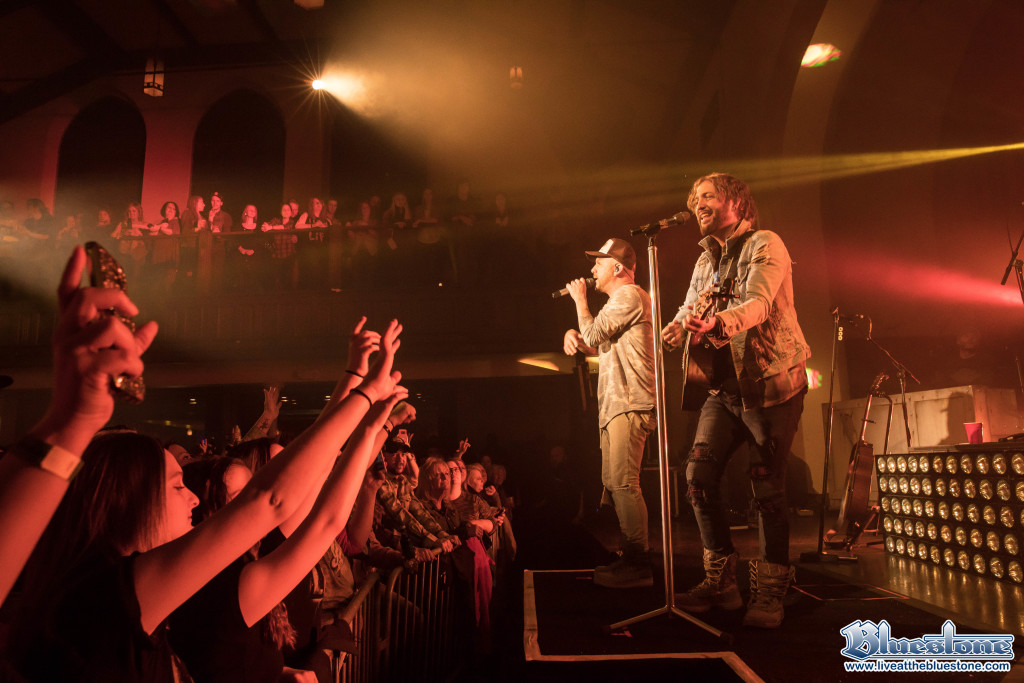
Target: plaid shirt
(283,245)
(404,511)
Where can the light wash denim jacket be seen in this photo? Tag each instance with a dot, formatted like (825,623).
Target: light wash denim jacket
(768,348)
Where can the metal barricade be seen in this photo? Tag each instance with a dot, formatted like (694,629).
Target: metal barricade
(362,617)
(418,629)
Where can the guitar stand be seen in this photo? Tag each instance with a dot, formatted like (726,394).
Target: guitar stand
(853,536)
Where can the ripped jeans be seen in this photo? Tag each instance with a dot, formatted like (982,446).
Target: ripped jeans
(769,432)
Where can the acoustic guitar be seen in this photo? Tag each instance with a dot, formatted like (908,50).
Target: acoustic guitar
(698,358)
(854,511)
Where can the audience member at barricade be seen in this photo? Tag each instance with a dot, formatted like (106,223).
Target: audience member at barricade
(99,229)
(312,246)
(402,513)
(70,234)
(121,555)
(220,221)
(496,489)
(427,213)
(363,245)
(164,258)
(485,520)
(398,216)
(38,221)
(282,252)
(248,257)
(191,222)
(471,562)
(331,210)
(129,233)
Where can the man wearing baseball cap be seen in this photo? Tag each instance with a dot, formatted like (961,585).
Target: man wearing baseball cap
(621,335)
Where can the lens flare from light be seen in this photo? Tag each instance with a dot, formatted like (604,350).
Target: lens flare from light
(349,88)
(820,54)
(317,84)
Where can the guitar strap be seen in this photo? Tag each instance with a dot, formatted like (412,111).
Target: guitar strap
(734,264)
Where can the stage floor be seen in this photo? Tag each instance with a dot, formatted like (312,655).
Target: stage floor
(984,604)
(565,615)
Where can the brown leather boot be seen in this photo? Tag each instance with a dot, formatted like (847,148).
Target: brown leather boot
(768,585)
(717,588)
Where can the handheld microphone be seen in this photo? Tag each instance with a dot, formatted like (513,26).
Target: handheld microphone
(591,283)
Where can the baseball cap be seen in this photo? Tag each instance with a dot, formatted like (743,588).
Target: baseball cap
(618,249)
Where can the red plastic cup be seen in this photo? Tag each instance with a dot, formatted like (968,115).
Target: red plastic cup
(975,432)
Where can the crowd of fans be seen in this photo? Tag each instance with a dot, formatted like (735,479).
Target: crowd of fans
(144,560)
(221,243)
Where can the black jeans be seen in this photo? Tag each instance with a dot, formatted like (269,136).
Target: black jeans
(722,428)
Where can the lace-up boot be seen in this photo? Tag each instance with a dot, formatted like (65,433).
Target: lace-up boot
(768,585)
(717,588)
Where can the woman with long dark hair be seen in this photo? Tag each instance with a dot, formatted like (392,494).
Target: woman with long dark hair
(120,555)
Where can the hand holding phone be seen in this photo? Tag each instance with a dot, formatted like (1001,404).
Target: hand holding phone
(106,272)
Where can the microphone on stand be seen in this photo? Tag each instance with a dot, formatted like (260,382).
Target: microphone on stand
(591,283)
(655,227)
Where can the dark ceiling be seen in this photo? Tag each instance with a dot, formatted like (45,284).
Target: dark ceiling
(55,46)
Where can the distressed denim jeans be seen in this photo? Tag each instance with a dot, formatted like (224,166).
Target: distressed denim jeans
(723,427)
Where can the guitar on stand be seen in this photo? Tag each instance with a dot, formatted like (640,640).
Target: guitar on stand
(855,512)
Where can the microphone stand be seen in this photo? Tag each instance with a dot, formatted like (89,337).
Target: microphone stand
(669,609)
(1015,264)
(902,372)
(820,555)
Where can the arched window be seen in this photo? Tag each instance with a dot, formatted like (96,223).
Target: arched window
(101,158)
(238,151)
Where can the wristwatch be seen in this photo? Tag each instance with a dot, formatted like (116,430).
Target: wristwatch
(54,459)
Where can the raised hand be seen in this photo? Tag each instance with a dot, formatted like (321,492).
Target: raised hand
(271,402)
(380,381)
(461,450)
(361,345)
(90,348)
(403,413)
(383,408)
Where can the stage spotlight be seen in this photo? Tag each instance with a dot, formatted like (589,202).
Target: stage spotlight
(318,84)
(970,534)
